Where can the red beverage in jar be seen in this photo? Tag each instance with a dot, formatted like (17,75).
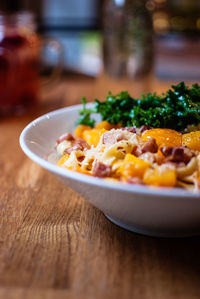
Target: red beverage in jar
(19,57)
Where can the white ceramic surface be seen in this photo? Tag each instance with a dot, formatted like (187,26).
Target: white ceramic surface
(151,211)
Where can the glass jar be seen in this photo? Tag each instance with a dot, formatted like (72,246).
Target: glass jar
(19,47)
(20,57)
(128,38)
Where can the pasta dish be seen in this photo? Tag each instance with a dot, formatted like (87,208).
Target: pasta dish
(155,157)
(153,141)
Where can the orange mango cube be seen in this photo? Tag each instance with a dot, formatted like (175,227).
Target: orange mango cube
(192,140)
(160,178)
(133,167)
(163,137)
(92,137)
(104,125)
(80,129)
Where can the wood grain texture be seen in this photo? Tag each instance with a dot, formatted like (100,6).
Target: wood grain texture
(54,244)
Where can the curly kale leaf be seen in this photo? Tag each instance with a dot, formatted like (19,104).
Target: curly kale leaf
(117,108)
(176,109)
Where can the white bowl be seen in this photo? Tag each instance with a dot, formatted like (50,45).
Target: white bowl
(151,211)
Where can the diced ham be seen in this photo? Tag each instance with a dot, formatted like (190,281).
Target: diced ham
(101,170)
(79,144)
(138,131)
(143,129)
(67,137)
(149,146)
(110,138)
(130,129)
(136,151)
(177,154)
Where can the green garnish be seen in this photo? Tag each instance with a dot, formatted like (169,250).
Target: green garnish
(175,109)
(85,115)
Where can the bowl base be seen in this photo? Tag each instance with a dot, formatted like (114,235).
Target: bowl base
(152,233)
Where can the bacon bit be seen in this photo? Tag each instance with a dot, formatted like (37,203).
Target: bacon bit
(177,154)
(149,146)
(82,143)
(79,144)
(130,129)
(144,128)
(137,131)
(66,136)
(101,170)
(136,151)
(80,159)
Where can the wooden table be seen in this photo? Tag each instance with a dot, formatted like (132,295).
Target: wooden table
(54,244)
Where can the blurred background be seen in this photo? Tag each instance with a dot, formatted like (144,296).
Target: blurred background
(121,39)
(81,26)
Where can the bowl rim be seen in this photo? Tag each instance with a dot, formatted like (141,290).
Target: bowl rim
(117,186)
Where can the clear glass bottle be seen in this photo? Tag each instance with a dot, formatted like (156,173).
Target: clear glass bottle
(128,38)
